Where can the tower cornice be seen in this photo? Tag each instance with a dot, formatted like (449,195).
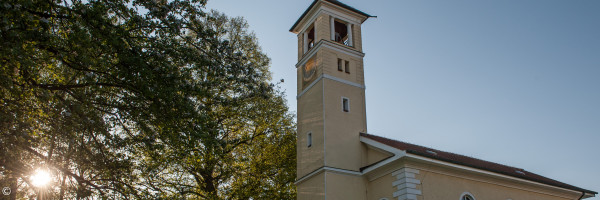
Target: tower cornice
(315,5)
(332,45)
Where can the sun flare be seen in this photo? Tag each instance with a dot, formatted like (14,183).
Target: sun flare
(40,178)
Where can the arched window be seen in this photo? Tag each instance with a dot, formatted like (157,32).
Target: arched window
(467,196)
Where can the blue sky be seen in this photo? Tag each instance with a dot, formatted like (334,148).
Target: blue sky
(513,82)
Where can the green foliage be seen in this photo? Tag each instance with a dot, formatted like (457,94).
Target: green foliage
(140,99)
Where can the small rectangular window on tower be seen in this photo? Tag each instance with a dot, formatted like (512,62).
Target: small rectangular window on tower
(340,62)
(345,104)
(309,139)
(347,66)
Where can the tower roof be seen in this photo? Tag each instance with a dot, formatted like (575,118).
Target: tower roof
(472,162)
(335,2)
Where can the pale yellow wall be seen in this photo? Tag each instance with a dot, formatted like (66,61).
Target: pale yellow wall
(435,185)
(320,64)
(345,187)
(356,31)
(312,189)
(447,181)
(310,118)
(358,69)
(342,129)
(443,183)
(381,187)
(335,134)
(330,59)
(323,29)
(343,147)
(372,155)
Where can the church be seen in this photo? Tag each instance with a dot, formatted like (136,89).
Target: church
(337,159)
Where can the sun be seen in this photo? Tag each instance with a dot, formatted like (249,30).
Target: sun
(40,178)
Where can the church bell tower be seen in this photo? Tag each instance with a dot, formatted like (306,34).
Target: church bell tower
(331,101)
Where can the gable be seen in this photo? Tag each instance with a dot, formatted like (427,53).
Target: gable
(374,155)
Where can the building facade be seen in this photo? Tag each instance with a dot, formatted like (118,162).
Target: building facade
(338,159)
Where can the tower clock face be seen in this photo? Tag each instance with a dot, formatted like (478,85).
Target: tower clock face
(308,71)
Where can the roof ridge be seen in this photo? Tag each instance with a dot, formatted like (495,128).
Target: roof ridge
(429,148)
(472,162)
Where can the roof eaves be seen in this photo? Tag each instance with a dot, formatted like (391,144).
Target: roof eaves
(539,179)
(303,15)
(338,3)
(349,8)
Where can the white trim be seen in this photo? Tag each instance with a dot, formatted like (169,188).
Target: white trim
(309,175)
(328,169)
(324,124)
(381,146)
(309,86)
(343,171)
(330,77)
(331,45)
(305,42)
(325,189)
(349,30)
(327,76)
(332,27)
(406,184)
(407,193)
(403,171)
(344,49)
(397,153)
(309,54)
(465,194)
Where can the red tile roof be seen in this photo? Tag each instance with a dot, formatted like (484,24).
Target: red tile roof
(472,162)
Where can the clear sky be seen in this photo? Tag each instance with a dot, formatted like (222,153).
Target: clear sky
(515,82)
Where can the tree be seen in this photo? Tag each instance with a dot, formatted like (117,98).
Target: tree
(139,99)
